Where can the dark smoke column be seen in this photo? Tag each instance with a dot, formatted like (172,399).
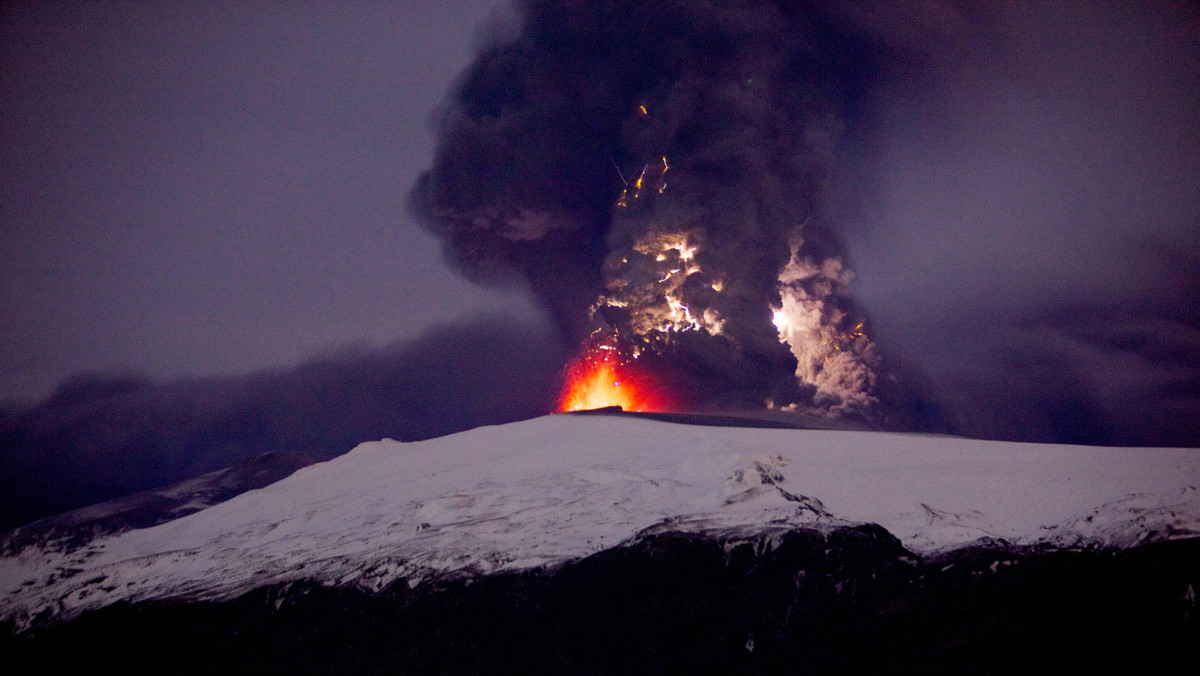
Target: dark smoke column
(661,166)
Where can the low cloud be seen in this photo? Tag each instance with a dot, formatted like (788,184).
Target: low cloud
(102,436)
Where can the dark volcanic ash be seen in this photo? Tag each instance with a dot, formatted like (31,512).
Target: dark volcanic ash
(663,167)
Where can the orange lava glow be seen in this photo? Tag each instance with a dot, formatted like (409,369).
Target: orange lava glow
(600,376)
(598,386)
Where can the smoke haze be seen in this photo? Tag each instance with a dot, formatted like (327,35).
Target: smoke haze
(104,436)
(1025,222)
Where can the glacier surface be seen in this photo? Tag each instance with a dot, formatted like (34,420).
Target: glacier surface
(542,492)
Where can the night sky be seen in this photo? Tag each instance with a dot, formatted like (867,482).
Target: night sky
(206,207)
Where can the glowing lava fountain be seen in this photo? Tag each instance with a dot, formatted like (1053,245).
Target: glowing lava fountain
(602,376)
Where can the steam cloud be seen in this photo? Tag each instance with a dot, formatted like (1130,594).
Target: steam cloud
(664,166)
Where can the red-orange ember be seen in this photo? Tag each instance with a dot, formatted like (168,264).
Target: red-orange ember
(602,376)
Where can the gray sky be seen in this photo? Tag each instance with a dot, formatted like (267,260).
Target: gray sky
(209,188)
(1061,161)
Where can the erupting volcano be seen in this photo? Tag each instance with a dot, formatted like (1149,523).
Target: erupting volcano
(552,167)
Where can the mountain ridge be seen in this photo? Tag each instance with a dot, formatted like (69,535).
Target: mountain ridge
(557,489)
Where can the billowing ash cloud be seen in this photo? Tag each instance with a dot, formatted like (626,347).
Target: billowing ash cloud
(1016,182)
(663,166)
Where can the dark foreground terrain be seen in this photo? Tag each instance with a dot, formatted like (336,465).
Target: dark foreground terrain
(847,601)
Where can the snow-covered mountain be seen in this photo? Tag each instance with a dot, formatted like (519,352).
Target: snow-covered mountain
(550,492)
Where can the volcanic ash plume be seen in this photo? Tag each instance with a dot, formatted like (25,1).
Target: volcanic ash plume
(661,167)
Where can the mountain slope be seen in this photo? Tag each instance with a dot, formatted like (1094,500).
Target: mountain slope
(74,529)
(540,493)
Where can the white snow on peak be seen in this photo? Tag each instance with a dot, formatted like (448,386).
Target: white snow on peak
(557,488)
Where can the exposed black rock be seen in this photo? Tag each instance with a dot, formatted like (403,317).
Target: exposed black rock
(781,602)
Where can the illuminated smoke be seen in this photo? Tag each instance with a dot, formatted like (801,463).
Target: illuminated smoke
(653,288)
(831,347)
(553,166)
